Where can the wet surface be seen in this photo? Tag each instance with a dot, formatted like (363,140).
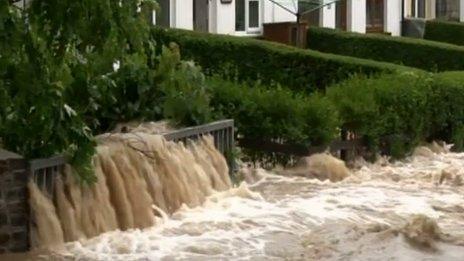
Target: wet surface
(364,217)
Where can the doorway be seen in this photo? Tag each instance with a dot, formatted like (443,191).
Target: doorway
(201,15)
(374,16)
(340,15)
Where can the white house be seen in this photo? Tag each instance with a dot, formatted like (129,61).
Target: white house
(246,17)
(234,17)
(377,16)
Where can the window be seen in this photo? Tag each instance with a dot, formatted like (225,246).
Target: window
(247,15)
(253,14)
(448,10)
(163,17)
(240,15)
(418,8)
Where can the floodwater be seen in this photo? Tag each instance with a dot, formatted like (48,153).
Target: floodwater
(408,210)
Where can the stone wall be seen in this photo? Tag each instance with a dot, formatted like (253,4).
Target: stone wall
(14,210)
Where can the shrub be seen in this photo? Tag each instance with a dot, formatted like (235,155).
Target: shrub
(242,59)
(447,108)
(423,54)
(274,114)
(443,31)
(387,106)
(62,80)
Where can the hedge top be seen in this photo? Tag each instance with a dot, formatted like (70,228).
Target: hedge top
(445,31)
(419,53)
(251,59)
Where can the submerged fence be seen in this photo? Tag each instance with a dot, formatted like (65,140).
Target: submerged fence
(15,172)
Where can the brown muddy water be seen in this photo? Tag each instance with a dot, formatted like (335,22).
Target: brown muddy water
(407,210)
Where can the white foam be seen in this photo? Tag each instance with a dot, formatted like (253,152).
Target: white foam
(240,224)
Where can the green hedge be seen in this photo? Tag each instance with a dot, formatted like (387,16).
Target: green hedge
(423,54)
(443,31)
(400,110)
(250,59)
(446,105)
(274,113)
(407,108)
(387,106)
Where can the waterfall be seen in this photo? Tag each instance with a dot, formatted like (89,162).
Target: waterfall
(140,176)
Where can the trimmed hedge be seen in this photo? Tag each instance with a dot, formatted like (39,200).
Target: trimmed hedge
(444,31)
(423,54)
(274,114)
(250,59)
(407,108)
(387,106)
(400,110)
(446,104)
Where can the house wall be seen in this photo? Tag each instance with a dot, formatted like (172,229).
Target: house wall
(392,17)
(182,14)
(430,10)
(327,15)
(223,17)
(461,11)
(356,17)
(274,14)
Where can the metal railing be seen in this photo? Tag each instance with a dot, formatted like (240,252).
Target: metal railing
(43,171)
(221,131)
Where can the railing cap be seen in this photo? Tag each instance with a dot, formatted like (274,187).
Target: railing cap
(7,155)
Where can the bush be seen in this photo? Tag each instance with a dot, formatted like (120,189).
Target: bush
(275,114)
(443,31)
(242,59)
(407,108)
(388,106)
(62,80)
(447,108)
(423,54)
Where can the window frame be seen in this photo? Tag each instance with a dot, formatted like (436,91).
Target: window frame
(248,29)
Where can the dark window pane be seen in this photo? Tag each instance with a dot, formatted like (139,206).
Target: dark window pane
(448,9)
(253,9)
(239,15)
(421,8)
(162,17)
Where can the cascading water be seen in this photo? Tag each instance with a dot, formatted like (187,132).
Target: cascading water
(140,177)
(407,210)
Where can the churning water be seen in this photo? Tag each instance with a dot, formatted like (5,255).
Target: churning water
(408,210)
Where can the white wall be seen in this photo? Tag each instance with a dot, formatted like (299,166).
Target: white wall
(182,14)
(224,17)
(392,17)
(462,10)
(430,9)
(356,17)
(274,13)
(327,15)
